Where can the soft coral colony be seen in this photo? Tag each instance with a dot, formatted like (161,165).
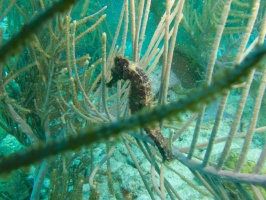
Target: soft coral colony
(54,71)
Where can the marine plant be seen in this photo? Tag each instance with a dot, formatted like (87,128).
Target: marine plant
(54,99)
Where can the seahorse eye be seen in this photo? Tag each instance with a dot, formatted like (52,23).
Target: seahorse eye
(117,61)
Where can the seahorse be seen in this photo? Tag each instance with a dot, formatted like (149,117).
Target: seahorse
(140,96)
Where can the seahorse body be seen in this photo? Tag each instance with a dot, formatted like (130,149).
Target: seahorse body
(140,96)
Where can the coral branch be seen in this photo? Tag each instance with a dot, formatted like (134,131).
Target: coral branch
(12,46)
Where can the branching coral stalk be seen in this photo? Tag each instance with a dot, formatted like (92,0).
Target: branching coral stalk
(137,31)
(253,123)
(184,127)
(86,19)
(85,8)
(255,179)
(91,28)
(25,128)
(165,55)
(246,88)
(209,78)
(104,75)
(12,46)
(49,86)
(144,26)
(169,57)
(17,73)
(158,191)
(38,183)
(260,164)
(117,31)
(263,30)
(124,38)
(6,10)
(133,23)
(157,37)
(68,45)
(37,45)
(138,168)
(86,99)
(251,22)
(236,122)
(97,167)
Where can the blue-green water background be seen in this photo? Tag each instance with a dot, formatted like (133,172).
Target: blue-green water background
(193,46)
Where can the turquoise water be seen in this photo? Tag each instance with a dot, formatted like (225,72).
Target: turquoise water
(53,92)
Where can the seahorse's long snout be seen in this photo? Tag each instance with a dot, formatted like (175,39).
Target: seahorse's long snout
(117,70)
(112,81)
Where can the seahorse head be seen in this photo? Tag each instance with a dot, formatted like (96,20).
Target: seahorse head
(119,71)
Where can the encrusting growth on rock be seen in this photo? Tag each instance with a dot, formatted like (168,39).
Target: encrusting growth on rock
(140,96)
